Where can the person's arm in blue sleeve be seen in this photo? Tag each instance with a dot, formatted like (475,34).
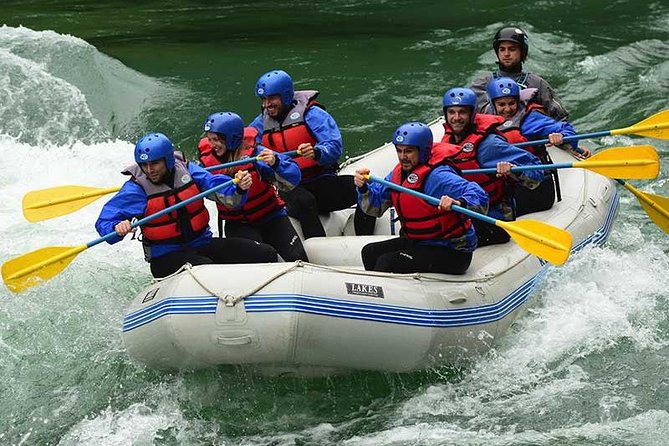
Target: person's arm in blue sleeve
(538,126)
(258,125)
(285,172)
(230,195)
(444,181)
(374,198)
(494,149)
(128,203)
(329,145)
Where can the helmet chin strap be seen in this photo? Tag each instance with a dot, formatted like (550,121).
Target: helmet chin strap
(283,112)
(169,177)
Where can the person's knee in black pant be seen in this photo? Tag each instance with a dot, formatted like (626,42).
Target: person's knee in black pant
(301,204)
(292,250)
(267,253)
(262,253)
(488,234)
(369,256)
(493,238)
(395,262)
(171,263)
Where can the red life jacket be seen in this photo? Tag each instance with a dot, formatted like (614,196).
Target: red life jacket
(421,220)
(262,198)
(167,228)
(292,131)
(510,129)
(441,154)
(464,155)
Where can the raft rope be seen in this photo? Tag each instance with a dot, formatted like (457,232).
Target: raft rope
(230,300)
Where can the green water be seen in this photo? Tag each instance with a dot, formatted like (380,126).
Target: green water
(586,365)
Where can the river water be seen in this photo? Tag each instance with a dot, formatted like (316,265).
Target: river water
(585,365)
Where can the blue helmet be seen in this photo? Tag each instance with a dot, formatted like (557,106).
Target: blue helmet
(154,146)
(503,87)
(415,134)
(227,124)
(276,82)
(463,97)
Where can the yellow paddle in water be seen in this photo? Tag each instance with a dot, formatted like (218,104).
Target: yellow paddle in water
(638,162)
(28,270)
(656,126)
(538,238)
(57,201)
(656,206)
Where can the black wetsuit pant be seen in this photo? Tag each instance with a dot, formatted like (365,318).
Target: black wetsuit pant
(401,255)
(488,234)
(219,250)
(278,232)
(325,194)
(542,197)
(535,200)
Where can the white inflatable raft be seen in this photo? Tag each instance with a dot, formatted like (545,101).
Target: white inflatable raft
(330,315)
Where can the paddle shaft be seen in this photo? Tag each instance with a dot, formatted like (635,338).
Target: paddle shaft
(565,139)
(243,161)
(563,166)
(430,199)
(512,227)
(519,168)
(164,211)
(92,193)
(623,131)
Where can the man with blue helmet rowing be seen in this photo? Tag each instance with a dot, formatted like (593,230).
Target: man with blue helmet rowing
(293,120)
(434,239)
(476,143)
(162,178)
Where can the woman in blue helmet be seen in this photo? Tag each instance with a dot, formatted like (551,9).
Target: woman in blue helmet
(293,120)
(263,217)
(161,178)
(434,239)
(526,120)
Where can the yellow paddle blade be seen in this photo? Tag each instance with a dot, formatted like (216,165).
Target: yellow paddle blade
(28,270)
(656,126)
(54,202)
(631,162)
(540,239)
(656,206)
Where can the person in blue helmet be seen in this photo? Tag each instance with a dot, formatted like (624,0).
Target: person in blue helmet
(263,216)
(293,120)
(510,44)
(526,121)
(479,144)
(434,238)
(161,178)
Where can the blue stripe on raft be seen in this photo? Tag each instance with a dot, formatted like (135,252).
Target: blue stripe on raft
(369,311)
(264,303)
